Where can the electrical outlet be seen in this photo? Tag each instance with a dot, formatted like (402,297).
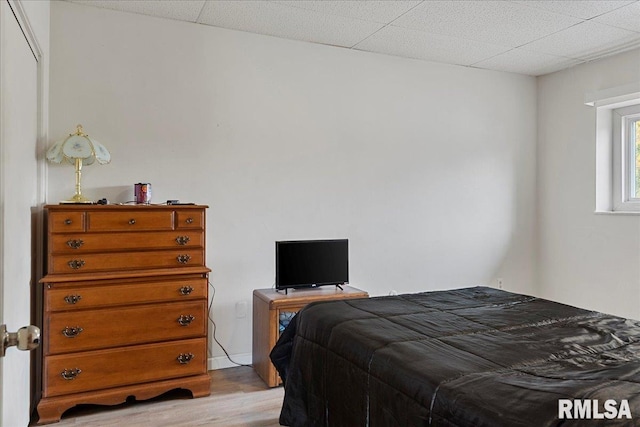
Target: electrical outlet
(500,282)
(241,309)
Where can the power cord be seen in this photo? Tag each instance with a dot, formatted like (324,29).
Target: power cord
(215,327)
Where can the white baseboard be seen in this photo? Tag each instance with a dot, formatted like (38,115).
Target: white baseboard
(223,362)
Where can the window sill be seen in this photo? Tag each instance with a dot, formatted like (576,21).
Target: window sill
(624,213)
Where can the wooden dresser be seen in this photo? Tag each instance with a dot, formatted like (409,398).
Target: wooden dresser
(125,305)
(272,311)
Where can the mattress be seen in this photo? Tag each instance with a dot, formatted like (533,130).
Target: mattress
(466,357)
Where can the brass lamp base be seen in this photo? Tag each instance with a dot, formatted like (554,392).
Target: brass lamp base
(77,199)
(72,202)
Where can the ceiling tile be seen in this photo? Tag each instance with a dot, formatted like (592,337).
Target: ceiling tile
(182,10)
(586,41)
(585,9)
(278,20)
(627,17)
(497,22)
(382,11)
(526,62)
(522,36)
(405,42)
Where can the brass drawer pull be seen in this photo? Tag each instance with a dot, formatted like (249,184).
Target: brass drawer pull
(75,244)
(132,221)
(185,319)
(183,259)
(189,220)
(76,263)
(72,332)
(68,221)
(186,290)
(185,358)
(182,240)
(72,299)
(70,374)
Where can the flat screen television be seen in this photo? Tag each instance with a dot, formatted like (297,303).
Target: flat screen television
(310,263)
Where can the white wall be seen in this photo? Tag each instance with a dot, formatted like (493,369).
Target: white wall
(585,259)
(428,169)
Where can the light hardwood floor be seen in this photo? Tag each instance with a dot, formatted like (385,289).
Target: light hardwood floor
(238,398)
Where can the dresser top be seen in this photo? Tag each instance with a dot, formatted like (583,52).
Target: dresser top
(91,207)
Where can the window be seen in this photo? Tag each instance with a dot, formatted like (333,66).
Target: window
(626,158)
(617,149)
(634,142)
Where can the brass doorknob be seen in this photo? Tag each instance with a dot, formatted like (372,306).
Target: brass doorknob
(26,339)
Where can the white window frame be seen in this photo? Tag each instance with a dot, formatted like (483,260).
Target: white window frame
(624,166)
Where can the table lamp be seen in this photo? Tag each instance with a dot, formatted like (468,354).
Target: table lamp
(78,149)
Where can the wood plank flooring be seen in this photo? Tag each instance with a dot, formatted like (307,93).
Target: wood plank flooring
(238,398)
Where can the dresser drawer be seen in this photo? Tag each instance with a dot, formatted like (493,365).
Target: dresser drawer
(93,370)
(111,327)
(96,242)
(82,263)
(190,218)
(134,220)
(65,222)
(83,296)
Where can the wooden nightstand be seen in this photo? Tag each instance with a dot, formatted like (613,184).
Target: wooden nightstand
(272,310)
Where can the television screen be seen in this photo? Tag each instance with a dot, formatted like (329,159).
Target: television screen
(308,263)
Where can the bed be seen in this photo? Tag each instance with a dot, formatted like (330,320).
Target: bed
(466,357)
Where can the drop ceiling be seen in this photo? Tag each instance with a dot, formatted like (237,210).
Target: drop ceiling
(531,37)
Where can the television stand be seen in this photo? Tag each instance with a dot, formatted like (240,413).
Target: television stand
(272,309)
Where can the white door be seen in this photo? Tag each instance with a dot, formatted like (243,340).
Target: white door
(18,205)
